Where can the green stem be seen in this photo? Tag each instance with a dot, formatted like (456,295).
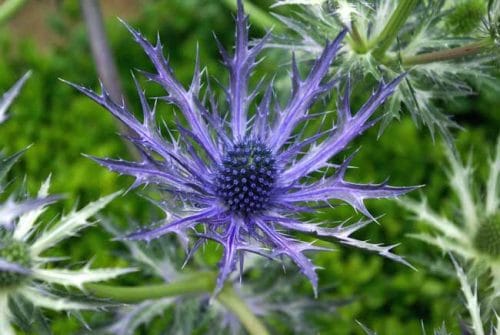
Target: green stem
(9,8)
(258,16)
(357,41)
(199,282)
(194,283)
(398,18)
(229,298)
(448,54)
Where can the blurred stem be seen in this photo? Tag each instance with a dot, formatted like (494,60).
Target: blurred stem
(398,18)
(258,16)
(194,283)
(449,54)
(104,60)
(229,298)
(9,7)
(358,43)
(199,282)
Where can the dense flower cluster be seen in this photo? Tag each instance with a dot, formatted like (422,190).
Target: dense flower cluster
(245,174)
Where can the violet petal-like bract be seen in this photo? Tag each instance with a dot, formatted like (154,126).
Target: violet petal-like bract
(6,266)
(11,210)
(242,176)
(8,97)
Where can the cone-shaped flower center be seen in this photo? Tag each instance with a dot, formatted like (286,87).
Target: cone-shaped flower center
(16,252)
(465,16)
(487,239)
(246,177)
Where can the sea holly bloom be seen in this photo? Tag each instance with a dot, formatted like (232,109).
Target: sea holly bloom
(242,174)
(474,235)
(27,274)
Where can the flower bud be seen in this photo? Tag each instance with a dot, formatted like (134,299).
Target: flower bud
(465,17)
(487,238)
(16,252)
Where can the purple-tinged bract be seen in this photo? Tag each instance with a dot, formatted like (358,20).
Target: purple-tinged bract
(242,175)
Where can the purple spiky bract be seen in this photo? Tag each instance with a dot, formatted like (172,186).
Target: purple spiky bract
(242,175)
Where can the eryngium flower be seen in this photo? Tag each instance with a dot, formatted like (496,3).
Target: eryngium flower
(26,274)
(243,176)
(474,234)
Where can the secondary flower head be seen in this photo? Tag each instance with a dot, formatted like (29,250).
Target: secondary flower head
(25,273)
(243,174)
(443,45)
(475,233)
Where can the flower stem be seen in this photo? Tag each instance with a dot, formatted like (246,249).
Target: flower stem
(384,40)
(104,60)
(194,283)
(189,284)
(357,41)
(9,8)
(448,54)
(229,298)
(257,16)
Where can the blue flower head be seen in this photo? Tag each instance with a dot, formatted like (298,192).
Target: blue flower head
(241,176)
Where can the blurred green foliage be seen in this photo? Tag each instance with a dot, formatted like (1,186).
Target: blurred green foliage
(62,124)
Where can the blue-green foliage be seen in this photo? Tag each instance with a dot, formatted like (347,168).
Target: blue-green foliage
(386,296)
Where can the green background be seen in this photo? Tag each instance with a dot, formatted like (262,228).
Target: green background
(50,39)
